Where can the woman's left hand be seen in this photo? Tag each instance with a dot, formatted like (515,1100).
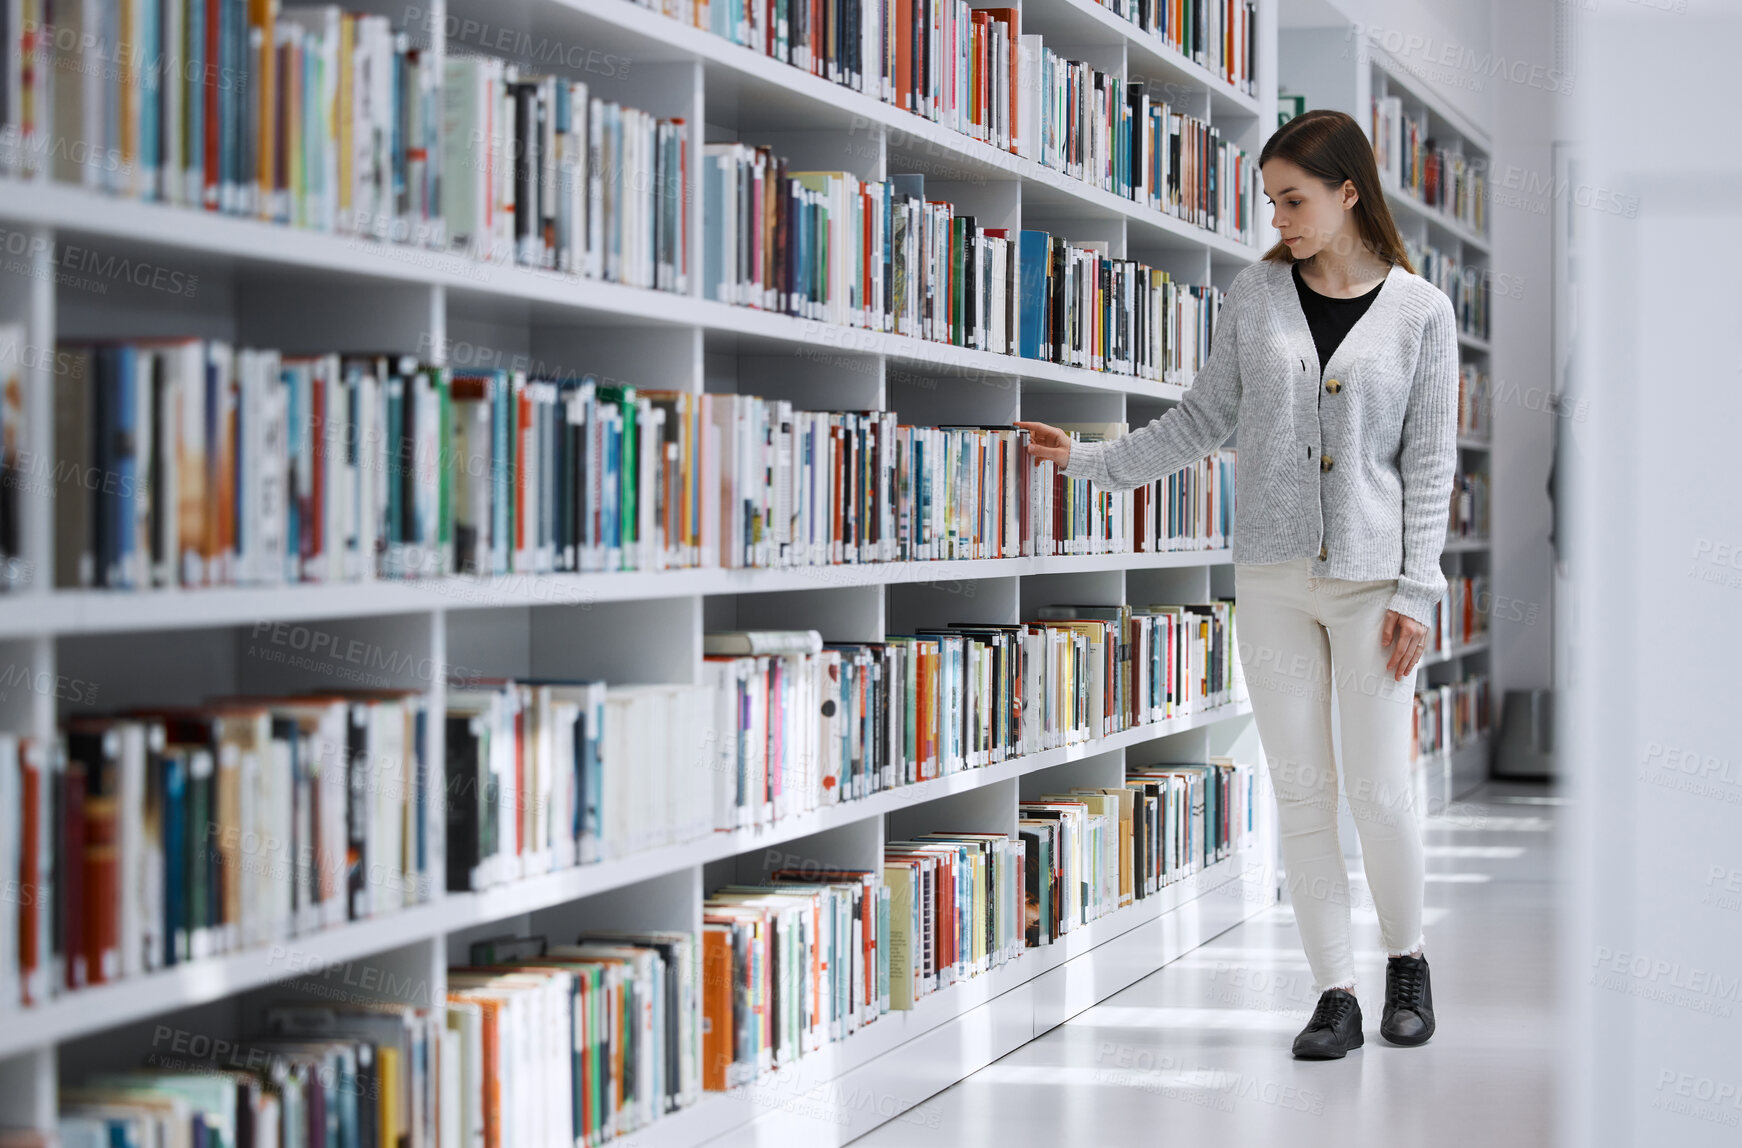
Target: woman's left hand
(1407,638)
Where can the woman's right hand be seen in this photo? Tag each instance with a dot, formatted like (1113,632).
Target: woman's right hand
(1048,442)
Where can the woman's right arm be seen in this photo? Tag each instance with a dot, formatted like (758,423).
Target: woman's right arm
(1201,421)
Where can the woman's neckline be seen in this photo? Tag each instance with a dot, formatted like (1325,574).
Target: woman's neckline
(1300,280)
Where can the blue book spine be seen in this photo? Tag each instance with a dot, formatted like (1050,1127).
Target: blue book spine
(152,58)
(295,398)
(713,254)
(226,104)
(1031,259)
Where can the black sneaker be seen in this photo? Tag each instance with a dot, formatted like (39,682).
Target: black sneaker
(1409,1002)
(1334,1029)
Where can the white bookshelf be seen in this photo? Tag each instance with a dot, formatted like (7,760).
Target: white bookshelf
(1323,55)
(271,286)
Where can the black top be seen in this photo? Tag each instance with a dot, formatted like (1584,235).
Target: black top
(1330,318)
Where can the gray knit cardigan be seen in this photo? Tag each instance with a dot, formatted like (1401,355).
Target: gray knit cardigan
(1352,468)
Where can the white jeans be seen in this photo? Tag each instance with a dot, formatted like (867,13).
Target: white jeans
(1297,636)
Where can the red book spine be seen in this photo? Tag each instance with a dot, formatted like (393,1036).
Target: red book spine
(213,95)
(30,879)
(102,890)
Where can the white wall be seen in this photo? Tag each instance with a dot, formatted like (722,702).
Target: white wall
(1446,42)
(1652,616)
(1527,119)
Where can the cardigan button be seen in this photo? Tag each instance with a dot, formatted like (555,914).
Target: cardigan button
(1333,385)
(1322,554)
(1326,462)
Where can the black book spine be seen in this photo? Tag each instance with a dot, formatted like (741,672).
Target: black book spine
(356,827)
(526,137)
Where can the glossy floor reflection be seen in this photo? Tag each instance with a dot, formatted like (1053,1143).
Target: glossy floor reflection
(1198,1052)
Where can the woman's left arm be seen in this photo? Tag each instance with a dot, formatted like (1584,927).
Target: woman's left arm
(1426,461)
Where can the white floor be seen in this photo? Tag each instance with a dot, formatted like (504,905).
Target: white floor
(1198,1052)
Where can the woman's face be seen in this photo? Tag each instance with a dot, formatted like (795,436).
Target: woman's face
(1310,216)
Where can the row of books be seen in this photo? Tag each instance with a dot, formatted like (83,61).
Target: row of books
(189,462)
(1080,307)
(162,838)
(947,906)
(584,1043)
(1093,851)
(536,172)
(1470,506)
(1462,614)
(783,724)
(551,1044)
(1115,135)
(789,965)
(337,122)
(534,1044)
(1411,162)
(974,71)
(312,116)
(1466,286)
(1448,716)
(156,839)
(880,255)
(1475,403)
(1220,35)
(159,839)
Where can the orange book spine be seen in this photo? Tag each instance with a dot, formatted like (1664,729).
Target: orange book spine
(102,891)
(492,1099)
(904,54)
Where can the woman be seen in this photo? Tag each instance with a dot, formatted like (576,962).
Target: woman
(1339,368)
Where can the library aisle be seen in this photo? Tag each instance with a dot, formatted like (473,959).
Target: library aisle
(1198,1051)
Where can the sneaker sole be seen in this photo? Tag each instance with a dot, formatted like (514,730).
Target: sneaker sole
(1339,1055)
(1411,1042)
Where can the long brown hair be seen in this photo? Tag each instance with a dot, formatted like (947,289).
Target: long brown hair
(1331,146)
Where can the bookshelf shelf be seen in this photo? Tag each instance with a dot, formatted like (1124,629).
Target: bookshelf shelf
(1465,545)
(108,612)
(1084,22)
(1451,773)
(214,246)
(589,880)
(1162,928)
(265,285)
(102,1007)
(1437,220)
(1480,645)
(1469,443)
(1471,343)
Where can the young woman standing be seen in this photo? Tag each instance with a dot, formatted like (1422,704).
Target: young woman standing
(1338,366)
